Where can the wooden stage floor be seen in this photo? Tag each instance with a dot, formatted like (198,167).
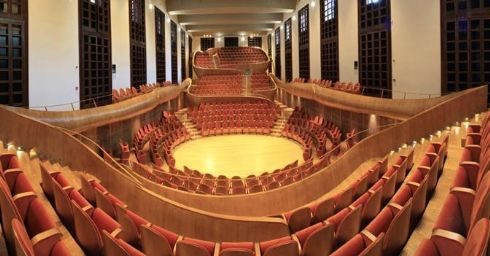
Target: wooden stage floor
(240,155)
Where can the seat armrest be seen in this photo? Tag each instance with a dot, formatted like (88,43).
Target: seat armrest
(448,242)
(46,240)
(23,201)
(475,151)
(217,249)
(257,249)
(116,232)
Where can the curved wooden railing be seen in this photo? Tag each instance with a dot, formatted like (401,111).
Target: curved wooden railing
(57,145)
(455,108)
(400,109)
(85,119)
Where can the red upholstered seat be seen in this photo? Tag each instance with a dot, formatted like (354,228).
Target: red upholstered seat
(464,207)
(45,244)
(444,243)
(117,246)
(316,240)
(346,223)
(298,219)
(188,247)
(9,161)
(363,243)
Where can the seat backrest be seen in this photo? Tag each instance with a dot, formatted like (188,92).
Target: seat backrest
(373,247)
(154,243)
(47,181)
(111,246)
(320,242)
(324,209)
(62,204)
(186,248)
(287,248)
(8,211)
(87,233)
(478,239)
(349,226)
(481,204)
(299,219)
(237,252)
(398,231)
(23,244)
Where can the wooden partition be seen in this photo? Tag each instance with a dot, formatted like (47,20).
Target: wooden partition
(58,146)
(292,93)
(455,108)
(86,119)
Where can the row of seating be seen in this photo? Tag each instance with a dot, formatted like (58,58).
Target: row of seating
(27,226)
(229,57)
(259,82)
(164,141)
(225,84)
(349,87)
(463,226)
(126,93)
(228,118)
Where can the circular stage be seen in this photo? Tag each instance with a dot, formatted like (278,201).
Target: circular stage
(240,155)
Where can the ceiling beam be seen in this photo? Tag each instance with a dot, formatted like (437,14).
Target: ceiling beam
(230,27)
(208,19)
(186,7)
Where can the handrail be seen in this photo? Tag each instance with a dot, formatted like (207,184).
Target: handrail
(364,88)
(73,103)
(106,156)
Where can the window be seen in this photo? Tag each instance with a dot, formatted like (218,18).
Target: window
(189,51)
(304,42)
(138,43)
(465,44)
(13,53)
(288,51)
(207,43)
(182,54)
(231,41)
(329,40)
(375,48)
(277,58)
(173,51)
(160,45)
(255,41)
(372,1)
(329,8)
(269,50)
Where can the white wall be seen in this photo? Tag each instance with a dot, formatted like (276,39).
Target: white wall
(151,61)
(348,40)
(416,47)
(120,43)
(53,53)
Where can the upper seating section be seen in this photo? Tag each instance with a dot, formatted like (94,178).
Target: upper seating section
(130,92)
(260,82)
(340,86)
(229,57)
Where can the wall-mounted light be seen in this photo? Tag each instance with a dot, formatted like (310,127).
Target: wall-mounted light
(294,17)
(168,20)
(242,38)
(219,39)
(150,6)
(312,4)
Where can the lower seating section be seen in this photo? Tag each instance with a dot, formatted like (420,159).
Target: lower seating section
(27,226)
(234,118)
(226,84)
(462,227)
(341,86)
(312,131)
(161,137)
(260,82)
(373,215)
(127,93)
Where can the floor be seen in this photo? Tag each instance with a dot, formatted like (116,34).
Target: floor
(237,155)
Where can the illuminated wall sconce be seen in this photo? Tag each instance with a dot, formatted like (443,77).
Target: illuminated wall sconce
(312,4)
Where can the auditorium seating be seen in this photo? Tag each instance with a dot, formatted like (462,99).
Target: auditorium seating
(234,118)
(349,87)
(462,225)
(259,82)
(229,57)
(312,131)
(127,93)
(224,84)
(27,226)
